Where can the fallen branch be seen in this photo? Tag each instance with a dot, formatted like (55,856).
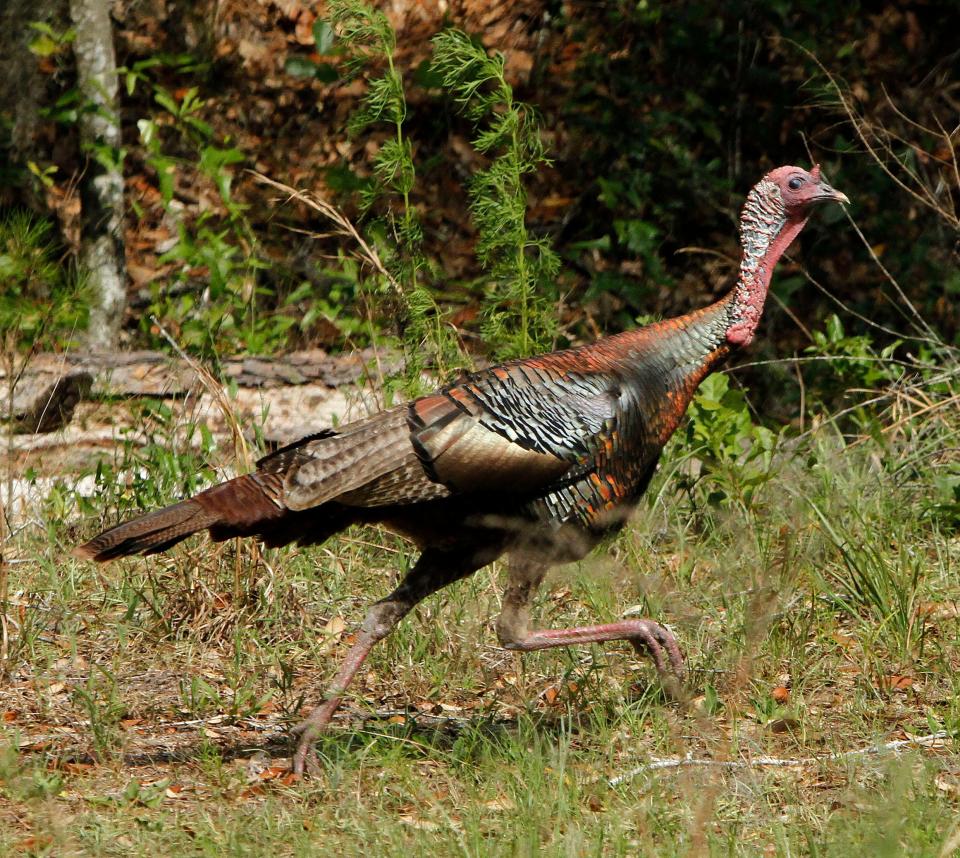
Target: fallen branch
(657,763)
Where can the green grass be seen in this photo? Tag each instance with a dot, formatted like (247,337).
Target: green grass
(143,701)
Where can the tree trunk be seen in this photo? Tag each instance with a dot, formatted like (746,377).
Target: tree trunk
(101,190)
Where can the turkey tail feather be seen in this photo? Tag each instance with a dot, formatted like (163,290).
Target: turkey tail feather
(240,507)
(304,492)
(156,531)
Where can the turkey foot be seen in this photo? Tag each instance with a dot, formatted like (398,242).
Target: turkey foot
(525,574)
(305,758)
(648,637)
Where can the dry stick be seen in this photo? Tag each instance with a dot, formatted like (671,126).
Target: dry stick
(926,198)
(934,406)
(893,361)
(658,763)
(948,138)
(803,391)
(934,339)
(793,316)
(345,228)
(859,124)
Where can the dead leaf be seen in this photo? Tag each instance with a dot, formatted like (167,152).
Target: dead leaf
(303,31)
(939,610)
(895,682)
(418,822)
(844,640)
(948,784)
(783,725)
(142,275)
(595,804)
(334,626)
(271,773)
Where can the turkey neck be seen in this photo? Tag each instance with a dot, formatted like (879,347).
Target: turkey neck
(765,233)
(701,339)
(678,353)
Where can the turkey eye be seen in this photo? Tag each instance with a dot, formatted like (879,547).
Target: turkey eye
(795,183)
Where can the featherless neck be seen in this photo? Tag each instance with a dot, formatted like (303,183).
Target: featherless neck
(765,233)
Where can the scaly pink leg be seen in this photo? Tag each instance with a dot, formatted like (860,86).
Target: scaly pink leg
(317,721)
(526,574)
(647,637)
(434,569)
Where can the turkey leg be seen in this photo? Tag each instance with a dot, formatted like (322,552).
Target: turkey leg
(513,625)
(433,571)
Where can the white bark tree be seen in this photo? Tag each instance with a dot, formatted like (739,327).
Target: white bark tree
(101,190)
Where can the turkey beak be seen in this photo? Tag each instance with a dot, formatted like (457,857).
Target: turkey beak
(826,193)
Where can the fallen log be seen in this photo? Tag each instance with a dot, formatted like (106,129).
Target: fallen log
(45,402)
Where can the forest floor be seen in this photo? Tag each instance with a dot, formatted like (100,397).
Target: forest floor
(145,703)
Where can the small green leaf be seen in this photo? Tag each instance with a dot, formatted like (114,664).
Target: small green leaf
(163,98)
(323,35)
(299,66)
(326,73)
(43,46)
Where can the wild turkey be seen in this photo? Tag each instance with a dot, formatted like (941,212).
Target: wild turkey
(536,458)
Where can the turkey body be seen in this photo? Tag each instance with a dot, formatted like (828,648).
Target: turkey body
(537,458)
(561,443)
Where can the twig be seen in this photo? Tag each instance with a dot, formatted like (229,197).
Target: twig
(345,227)
(658,763)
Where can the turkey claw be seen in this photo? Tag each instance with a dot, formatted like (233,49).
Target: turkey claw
(657,641)
(305,760)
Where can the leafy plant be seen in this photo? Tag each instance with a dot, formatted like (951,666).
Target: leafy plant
(214,299)
(48,41)
(943,504)
(100,699)
(873,580)
(42,304)
(523,267)
(850,360)
(366,37)
(734,454)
